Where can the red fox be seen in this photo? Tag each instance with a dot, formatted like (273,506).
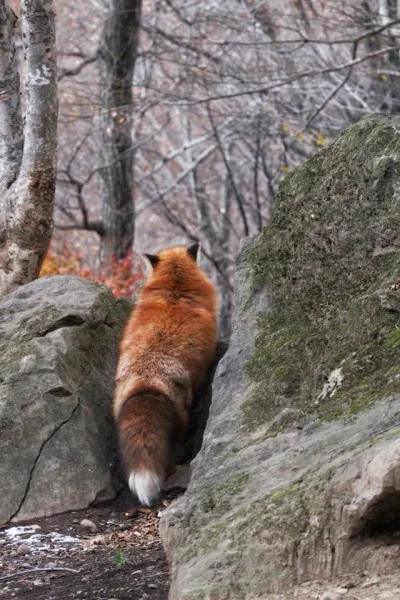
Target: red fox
(167,346)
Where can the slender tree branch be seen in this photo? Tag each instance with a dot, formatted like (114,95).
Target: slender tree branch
(235,190)
(334,92)
(296,77)
(38,569)
(89,60)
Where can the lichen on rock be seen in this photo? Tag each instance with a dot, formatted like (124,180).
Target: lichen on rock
(328,259)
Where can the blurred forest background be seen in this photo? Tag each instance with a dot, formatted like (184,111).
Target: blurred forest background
(178,119)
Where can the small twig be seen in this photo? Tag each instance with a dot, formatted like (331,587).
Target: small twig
(39,569)
(283,82)
(76,70)
(335,91)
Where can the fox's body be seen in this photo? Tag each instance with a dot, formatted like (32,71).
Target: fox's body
(166,348)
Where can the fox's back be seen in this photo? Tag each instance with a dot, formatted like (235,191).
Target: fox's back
(182,332)
(170,337)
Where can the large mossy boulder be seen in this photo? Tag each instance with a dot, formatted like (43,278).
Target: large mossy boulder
(58,349)
(300,466)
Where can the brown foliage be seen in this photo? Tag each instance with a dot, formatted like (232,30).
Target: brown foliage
(123,275)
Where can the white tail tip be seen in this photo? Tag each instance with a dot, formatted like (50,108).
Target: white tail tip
(146,485)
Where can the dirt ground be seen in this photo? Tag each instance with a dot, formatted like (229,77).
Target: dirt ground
(116,556)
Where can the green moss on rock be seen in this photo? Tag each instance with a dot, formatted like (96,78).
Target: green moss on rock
(234,485)
(295,514)
(327,262)
(218,499)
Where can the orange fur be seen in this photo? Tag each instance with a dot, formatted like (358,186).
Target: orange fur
(166,348)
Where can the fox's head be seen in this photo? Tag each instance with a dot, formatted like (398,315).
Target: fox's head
(168,255)
(175,277)
(175,273)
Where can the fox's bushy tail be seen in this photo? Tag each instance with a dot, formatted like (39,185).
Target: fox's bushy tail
(148,428)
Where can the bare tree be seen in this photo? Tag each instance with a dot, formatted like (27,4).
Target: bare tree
(27,154)
(117,53)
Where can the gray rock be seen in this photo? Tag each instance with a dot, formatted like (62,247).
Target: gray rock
(87,524)
(300,463)
(23,549)
(180,479)
(371,582)
(329,596)
(58,348)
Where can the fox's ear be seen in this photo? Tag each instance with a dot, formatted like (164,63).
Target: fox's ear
(193,251)
(152,259)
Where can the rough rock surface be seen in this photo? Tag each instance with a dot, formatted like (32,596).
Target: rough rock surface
(299,474)
(58,348)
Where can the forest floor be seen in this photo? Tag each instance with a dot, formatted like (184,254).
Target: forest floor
(116,555)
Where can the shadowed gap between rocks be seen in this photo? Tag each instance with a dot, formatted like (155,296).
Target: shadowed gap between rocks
(382,517)
(201,409)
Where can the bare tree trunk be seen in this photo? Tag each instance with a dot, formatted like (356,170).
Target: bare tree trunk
(11,134)
(117,61)
(28,159)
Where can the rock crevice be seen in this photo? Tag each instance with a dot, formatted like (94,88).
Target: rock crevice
(14,516)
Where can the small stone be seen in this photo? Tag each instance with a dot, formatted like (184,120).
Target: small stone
(51,565)
(23,549)
(38,582)
(373,581)
(152,586)
(87,524)
(42,554)
(75,521)
(179,479)
(341,591)
(349,585)
(328,596)
(13,553)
